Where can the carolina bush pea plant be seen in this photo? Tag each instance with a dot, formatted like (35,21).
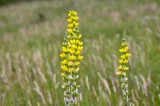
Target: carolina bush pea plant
(71,55)
(123,68)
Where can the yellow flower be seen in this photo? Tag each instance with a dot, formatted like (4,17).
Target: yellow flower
(124,43)
(62,74)
(70,13)
(77,69)
(120,61)
(69,45)
(69,20)
(121,50)
(74,12)
(80,57)
(126,48)
(126,68)
(125,61)
(77,41)
(70,69)
(70,63)
(72,41)
(80,43)
(118,72)
(70,30)
(62,55)
(120,67)
(75,18)
(77,63)
(72,58)
(128,54)
(64,68)
(78,52)
(70,25)
(123,57)
(79,36)
(72,51)
(64,62)
(69,36)
(76,24)
(80,48)
(64,49)
(74,46)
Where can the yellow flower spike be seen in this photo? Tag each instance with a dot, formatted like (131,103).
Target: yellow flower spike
(71,50)
(125,61)
(62,74)
(120,67)
(120,61)
(123,67)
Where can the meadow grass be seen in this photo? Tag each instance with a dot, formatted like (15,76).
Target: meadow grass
(31,34)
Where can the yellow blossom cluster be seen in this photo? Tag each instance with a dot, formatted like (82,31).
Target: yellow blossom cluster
(123,61)
(72,47)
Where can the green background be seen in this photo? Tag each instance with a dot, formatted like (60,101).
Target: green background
(31,34)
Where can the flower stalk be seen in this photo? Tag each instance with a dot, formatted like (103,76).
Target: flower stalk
(123,68)
(71,56)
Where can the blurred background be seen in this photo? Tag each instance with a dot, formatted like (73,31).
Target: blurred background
(31,33)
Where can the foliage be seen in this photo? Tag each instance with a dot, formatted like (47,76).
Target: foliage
(30,48)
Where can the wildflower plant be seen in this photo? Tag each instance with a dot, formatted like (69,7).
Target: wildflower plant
(71,56)
(123,68)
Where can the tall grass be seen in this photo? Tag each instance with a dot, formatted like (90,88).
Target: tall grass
(30,47)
